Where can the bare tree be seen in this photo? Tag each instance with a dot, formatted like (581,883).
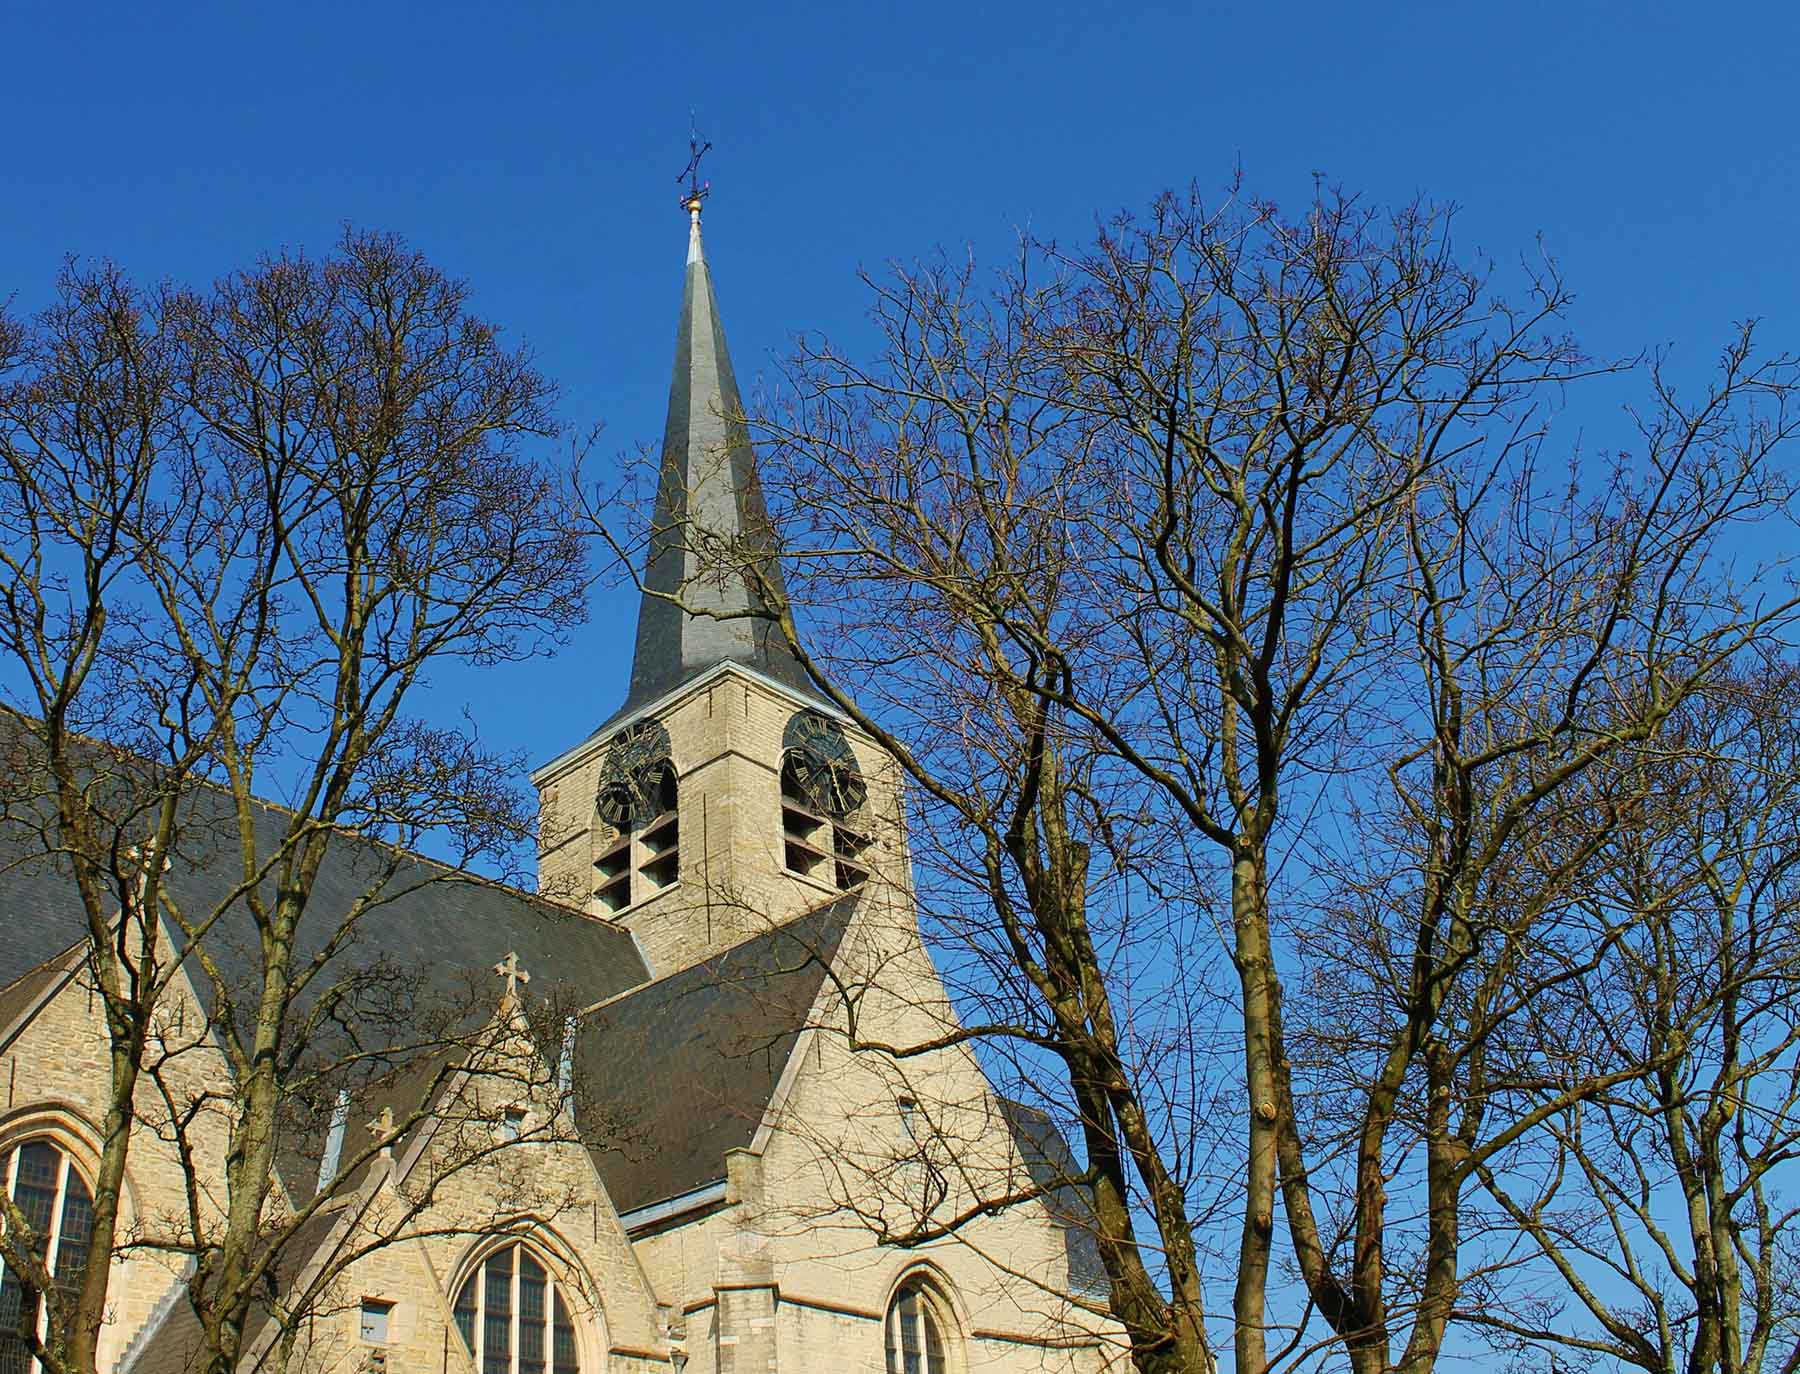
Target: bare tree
(1157,563)
(1658,1201)
(241,525)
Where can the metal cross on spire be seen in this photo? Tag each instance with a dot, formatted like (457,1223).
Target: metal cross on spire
(508,968)
(697,190)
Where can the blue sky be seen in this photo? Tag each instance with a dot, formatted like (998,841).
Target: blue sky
(533,148)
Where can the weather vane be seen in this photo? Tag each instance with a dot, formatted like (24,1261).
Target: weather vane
(697,190)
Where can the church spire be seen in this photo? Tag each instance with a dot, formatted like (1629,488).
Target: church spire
(711,527)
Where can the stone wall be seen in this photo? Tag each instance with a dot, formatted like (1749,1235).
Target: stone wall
(420,1214)
(725,735)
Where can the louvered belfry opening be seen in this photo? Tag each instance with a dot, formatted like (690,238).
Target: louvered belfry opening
(814,844)
(639,800)
(50,1193)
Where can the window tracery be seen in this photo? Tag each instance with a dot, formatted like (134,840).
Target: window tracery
(918,1331)
(515,1318)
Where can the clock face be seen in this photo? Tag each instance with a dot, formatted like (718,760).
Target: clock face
(632,787)
(822,765)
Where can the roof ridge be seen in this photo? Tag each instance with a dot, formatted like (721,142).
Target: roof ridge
(360,837)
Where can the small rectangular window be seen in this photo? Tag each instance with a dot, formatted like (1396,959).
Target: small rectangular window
(375,1320)
(512,1125)
(909,1118)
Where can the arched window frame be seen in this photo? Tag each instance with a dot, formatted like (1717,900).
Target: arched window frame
(918,1310)
(71,1204)
(563,1282)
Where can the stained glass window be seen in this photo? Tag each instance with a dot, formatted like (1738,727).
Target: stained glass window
(533,1315)
(497,1312)
(564,1330)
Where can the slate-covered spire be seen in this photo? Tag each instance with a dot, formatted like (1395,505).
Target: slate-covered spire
(710,520)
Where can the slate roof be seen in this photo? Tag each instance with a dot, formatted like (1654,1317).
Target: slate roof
(682,1070)
(424,917)
(36,914)
(707,483)
(419,963)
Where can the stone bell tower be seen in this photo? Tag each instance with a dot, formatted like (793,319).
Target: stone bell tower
(726,794)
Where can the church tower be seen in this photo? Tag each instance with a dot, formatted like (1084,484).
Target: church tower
(726,795)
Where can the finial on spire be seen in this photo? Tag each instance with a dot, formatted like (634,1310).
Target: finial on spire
(508,968)
(697,190)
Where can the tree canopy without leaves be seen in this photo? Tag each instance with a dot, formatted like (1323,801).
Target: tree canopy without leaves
(240,526)
(1275,685)
(1660,1200)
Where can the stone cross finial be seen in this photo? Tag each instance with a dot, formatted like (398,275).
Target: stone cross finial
(140,882)
(508,968)
(382,1128)
(136,855)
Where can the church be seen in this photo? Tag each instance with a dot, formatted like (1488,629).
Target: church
(734,1128)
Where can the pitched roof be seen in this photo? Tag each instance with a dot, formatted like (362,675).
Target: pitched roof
(708,499)
(421,917)
(414,976)
(674,1072)
(36,914)
(682,1070)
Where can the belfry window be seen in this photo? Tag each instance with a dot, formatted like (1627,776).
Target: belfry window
(822,789)
(56,1203)
(639,799)
(917,1328)
(515,1318)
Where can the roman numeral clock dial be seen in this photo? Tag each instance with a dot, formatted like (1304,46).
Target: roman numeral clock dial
(822,765)
(632,781)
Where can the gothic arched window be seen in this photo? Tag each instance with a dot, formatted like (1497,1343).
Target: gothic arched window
(918,1329)
(515,1318)
(45,1186)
